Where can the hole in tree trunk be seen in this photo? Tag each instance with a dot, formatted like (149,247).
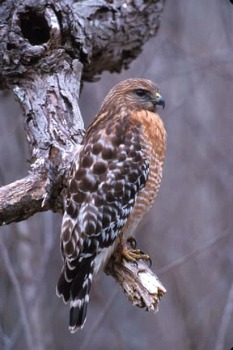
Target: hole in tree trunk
(34,28)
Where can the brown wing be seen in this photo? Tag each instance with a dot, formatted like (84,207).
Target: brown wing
(112,168)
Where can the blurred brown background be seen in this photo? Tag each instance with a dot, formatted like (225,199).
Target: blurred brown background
(188,233)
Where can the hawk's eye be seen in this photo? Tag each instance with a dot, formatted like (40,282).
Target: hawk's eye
(141,92)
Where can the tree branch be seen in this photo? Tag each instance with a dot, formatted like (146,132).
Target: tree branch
(114,32)
(22,198)
(140,285)
(21,304)
(46,47)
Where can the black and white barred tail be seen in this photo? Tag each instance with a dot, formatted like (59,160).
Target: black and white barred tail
(75,285)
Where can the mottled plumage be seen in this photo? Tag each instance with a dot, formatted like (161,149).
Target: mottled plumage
(114,180)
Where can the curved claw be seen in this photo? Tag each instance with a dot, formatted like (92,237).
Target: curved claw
(146,257)
(150,262)
(134,255)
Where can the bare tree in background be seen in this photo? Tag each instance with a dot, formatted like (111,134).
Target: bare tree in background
(46,49)
(188,233)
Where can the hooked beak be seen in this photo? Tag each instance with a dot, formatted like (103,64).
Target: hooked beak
(159,100)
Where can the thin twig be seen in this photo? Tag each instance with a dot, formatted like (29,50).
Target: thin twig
(85,344)
(226,317)
(10,340)
(193,253)
(19,297)
(48,245)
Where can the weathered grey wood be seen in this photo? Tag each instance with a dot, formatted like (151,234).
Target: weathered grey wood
(103,35)
(46,47)
(22,199)
(140,285)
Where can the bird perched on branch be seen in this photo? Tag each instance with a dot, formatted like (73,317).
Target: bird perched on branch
(114,180)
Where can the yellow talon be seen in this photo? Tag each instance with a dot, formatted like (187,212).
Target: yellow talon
(130,252)
(134,254)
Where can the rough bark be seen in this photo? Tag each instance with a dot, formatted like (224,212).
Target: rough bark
(46,48)
(140,285)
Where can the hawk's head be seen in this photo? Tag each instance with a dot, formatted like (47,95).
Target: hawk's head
(134,94)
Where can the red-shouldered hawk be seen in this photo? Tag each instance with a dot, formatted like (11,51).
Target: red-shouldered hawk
(114,180)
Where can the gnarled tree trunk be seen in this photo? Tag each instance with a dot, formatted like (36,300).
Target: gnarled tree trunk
(47,49)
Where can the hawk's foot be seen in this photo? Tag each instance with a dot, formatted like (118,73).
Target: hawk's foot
(132,254)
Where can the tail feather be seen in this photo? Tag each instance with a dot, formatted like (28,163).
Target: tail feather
(63,287)
(77,291)
(80,290)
